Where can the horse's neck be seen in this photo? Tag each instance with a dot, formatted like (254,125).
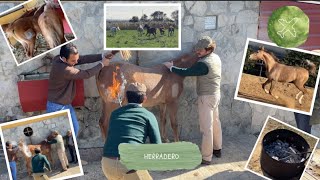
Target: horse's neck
(185,61)
(269,61)
(25,151)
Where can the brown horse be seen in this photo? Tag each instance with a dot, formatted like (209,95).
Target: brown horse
(25,30)
(283,73)
(163,88)
(28,152)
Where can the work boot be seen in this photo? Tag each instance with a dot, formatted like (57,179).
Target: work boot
(204,162)
(217,153)
(63,170)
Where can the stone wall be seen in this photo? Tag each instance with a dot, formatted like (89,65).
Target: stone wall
(41,130)
(236,21)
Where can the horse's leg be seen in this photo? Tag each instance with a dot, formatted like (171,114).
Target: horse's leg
(28,163)
(31,46)
(264,85)
(298,94)
(50,155)
(271,89)
(163,122)
(302,89)
(105,118)
(173,108)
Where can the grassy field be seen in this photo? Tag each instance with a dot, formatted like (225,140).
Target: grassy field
(130,39)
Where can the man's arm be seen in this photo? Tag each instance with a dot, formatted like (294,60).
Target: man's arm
(198,69)
(46,162)
(74,73)
(53,141)
(153,131)
(89,59)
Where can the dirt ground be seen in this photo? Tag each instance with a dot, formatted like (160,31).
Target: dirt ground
(251,88)
(40,47)
(254,162)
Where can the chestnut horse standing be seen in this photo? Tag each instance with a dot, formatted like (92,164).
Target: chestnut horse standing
(28,152)
(25,30)
(163,88)
(283,73)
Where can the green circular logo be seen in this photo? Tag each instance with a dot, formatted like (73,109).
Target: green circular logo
(288,26)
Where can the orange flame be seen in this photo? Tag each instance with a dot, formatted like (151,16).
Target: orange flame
(115,88)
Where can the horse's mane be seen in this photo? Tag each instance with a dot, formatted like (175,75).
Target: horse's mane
(273,55)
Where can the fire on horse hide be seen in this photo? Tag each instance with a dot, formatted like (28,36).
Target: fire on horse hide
(163,88)
(277,72)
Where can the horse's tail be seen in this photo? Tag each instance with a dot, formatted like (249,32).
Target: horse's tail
(311,67)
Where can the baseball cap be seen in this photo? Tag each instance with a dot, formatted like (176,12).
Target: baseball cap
(204,42)
(137,87)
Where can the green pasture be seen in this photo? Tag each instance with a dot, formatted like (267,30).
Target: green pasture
(130,39)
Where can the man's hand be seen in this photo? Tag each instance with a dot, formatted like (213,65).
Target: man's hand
(168,64)
(105,62)
(108,55)
(106,59)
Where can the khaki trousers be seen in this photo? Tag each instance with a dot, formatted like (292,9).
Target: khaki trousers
(63,158)
(114,170)
(40,176)
(210,125)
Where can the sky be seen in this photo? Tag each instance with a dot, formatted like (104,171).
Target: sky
(126,12)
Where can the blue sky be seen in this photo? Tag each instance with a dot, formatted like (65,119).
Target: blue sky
(126,12)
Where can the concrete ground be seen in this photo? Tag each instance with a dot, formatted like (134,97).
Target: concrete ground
(73,169)
(235,153)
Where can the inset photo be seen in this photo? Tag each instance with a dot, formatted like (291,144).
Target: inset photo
(143,26)
(42,147)
(34,28)
(281,151)
(3,166)
(278,77)
(313,170)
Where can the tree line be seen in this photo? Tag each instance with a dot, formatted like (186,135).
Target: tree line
(157,16)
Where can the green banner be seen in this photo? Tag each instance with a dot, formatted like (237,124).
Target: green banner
(166,156)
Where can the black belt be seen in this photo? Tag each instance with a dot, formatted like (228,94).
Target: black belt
(114,158)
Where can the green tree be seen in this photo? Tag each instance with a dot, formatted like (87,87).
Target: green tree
(157,16)
(134,19)
(144,18)
(175,16)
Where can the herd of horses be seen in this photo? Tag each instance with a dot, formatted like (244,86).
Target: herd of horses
(42,20)
(150,30)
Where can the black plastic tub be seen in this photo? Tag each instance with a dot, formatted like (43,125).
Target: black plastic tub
(279,169)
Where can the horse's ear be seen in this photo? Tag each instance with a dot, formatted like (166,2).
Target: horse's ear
(262,48)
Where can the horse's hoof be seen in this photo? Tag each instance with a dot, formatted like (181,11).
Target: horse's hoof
(266,91)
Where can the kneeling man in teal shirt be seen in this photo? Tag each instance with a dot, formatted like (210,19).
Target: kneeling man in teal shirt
(129,124)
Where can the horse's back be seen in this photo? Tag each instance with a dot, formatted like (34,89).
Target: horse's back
(284,73)
(157,79)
